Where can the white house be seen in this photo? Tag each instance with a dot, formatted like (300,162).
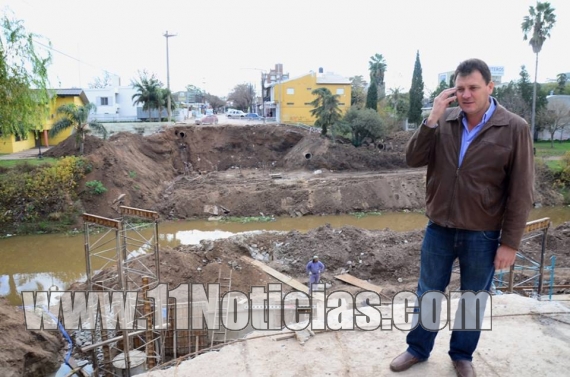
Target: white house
(114,103)
(559,104)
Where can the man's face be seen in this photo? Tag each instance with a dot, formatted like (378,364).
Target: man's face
(473,93)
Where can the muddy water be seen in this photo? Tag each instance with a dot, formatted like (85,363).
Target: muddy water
(41,262)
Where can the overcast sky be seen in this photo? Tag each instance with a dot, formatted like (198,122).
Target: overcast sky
(219,41)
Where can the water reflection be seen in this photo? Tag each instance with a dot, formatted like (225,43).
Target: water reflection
(38,262)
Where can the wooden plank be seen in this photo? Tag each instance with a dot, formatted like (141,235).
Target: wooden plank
(359,283)
(539,224)
(277,275)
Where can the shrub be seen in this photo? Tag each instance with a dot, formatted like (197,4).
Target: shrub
(95,187)
(26,195)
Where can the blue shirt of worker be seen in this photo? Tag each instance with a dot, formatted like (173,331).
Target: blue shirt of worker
(315,267)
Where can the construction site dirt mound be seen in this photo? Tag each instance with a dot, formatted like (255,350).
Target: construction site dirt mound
(183,171)
(314,152)
(385,258)
(23,352)
(68,147)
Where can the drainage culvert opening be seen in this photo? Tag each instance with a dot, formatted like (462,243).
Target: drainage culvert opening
(381,146)
(181,134)
(308,156)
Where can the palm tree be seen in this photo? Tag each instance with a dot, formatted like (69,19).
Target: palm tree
(561,79)
(77,117)
(147,94)
(377,66)
(326,109)
(537,25)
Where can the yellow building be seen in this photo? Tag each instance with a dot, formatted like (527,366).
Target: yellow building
(291,99)
(13,144)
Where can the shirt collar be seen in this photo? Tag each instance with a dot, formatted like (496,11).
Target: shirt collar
(487,114)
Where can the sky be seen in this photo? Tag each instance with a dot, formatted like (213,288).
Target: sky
(222,43)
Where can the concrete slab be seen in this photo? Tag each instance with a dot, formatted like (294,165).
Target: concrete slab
(522,342)
(27,154)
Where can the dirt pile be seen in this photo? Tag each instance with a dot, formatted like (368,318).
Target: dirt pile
(179,171)
(315,152)
(274,170)
(23,352)
(200,264)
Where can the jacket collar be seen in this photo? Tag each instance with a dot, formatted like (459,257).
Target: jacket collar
(499,118)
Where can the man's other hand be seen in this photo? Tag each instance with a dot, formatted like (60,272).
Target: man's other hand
(505,257)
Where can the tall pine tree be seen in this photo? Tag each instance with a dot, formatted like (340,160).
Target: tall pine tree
(372,96)
(416,93)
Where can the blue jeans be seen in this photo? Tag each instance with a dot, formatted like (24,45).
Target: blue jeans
(476,253)
(314,279)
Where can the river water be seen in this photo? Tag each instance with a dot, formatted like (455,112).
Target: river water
(41,262)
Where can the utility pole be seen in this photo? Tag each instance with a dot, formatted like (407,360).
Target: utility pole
(166,35)
(263,95)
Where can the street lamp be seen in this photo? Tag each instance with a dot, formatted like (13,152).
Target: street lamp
(166,35)
(263,75)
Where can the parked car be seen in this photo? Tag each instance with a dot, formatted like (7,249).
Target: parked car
(208,119)
(253,116)
(232,113)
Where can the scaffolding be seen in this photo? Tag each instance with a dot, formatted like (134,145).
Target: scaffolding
(122,244)
(528,274)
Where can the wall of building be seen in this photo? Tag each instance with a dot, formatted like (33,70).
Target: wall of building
(293,98)
(119,102)
(10,145)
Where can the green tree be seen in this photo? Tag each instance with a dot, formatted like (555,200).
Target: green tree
(372,97)
(561,80)
(399,103)
(440,88)
(537,25)
(326,109)
(77,117)
(525,86)
(24,93)
(377,67)
(416,93)
(364,123)
(215,101)
(101,82)
(242,96)
(148,92)
(162,95)
(358,91)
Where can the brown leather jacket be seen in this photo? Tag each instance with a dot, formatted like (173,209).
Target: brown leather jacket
(493,188)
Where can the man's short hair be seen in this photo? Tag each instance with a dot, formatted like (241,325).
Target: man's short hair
(468,66)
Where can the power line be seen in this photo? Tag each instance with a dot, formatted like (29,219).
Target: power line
(73,58)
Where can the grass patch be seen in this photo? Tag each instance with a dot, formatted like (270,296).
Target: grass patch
(360,215)
(9,164)
(554,165)
(543,148)
(245,220)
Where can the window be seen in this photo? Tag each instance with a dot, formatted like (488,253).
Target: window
(340,91)
(309,88)
(308,104)
(341,103)
(290,90)
(104,101)
(290,103)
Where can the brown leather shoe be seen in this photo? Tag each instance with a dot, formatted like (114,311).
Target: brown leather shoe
(403,362)
(464,368)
